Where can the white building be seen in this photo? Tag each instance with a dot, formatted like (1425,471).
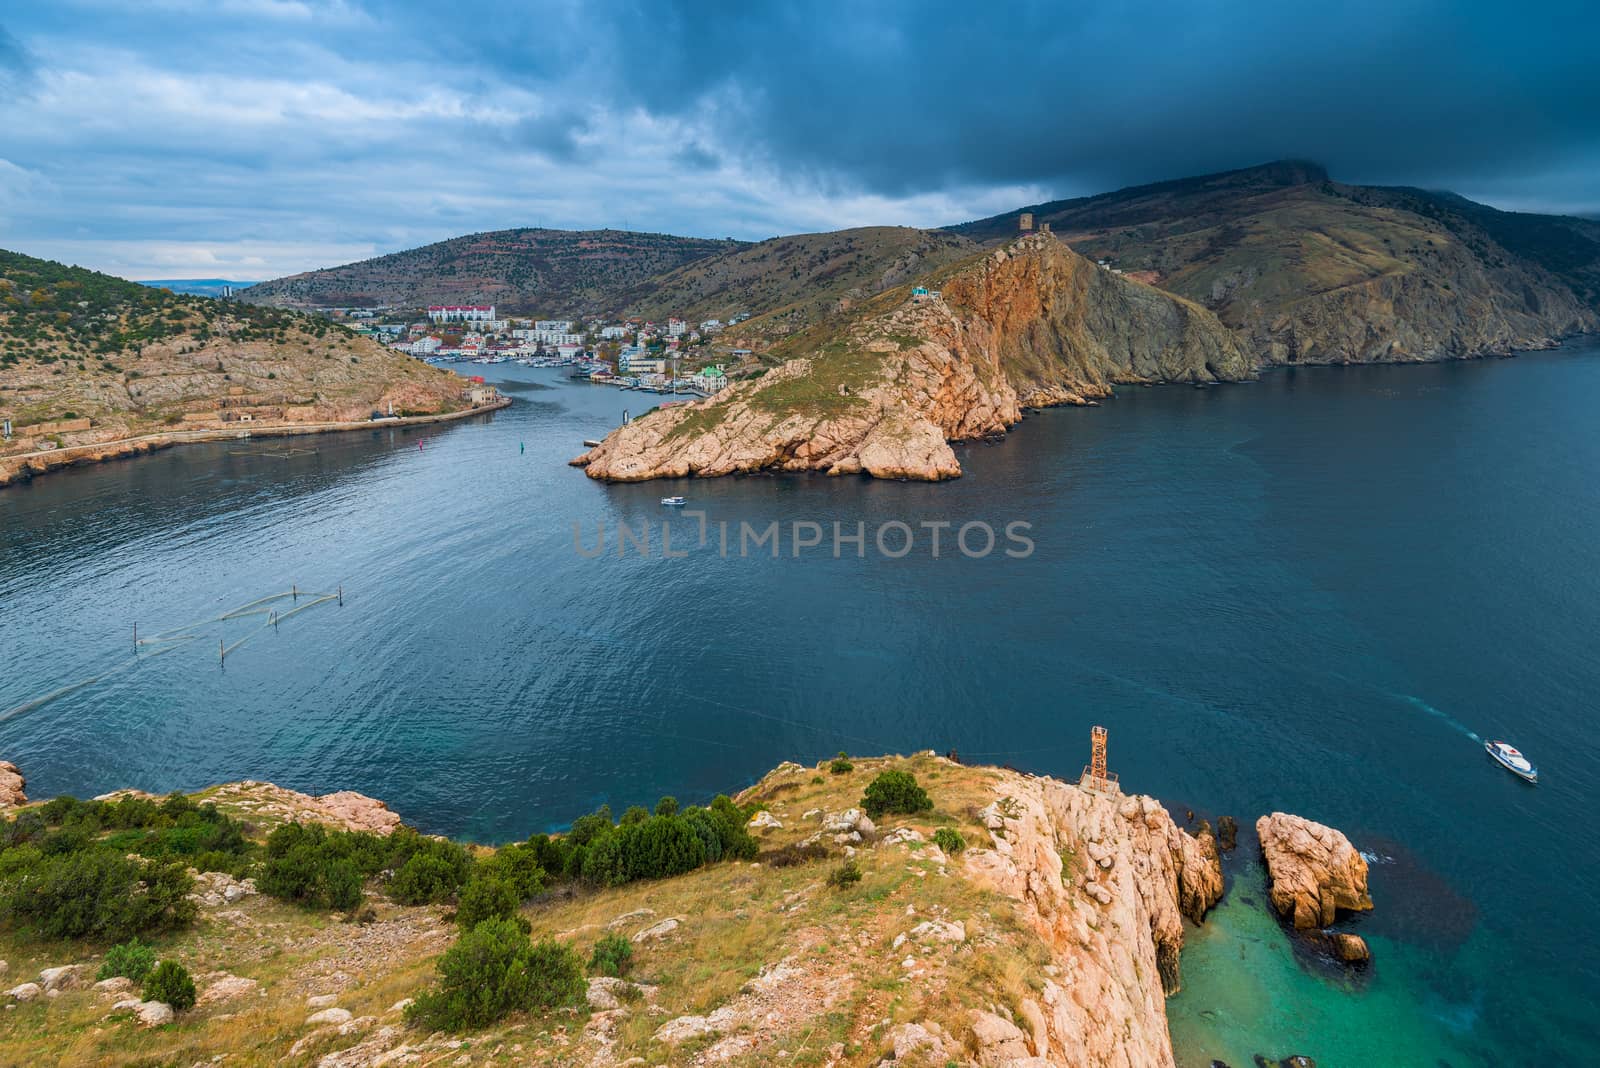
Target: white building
(711,326)
(425,346)
(709,379)
(555,326)
(613,333)
(677,328)
(569,352)
(461,313)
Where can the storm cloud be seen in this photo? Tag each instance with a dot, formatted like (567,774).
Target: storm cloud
(256,137)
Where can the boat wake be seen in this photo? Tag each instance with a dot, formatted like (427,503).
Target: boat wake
(1417,702)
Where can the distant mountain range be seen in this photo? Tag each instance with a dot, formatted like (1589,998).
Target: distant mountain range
(198,287)
(1304,269)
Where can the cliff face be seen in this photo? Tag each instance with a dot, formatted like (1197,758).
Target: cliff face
(885,391)
(1051,938)
(1105,882)
(1309,270)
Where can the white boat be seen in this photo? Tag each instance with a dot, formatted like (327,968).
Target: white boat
(1510,757)
(674,502)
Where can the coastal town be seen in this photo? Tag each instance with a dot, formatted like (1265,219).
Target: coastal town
(675,356)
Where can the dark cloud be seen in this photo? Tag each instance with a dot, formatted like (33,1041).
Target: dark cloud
(293,129)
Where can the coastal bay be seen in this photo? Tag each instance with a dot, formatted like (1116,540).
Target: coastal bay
(1305,592)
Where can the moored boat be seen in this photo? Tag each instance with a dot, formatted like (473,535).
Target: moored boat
(1510,757)
(673,502)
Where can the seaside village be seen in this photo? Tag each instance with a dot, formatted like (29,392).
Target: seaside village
(671,357)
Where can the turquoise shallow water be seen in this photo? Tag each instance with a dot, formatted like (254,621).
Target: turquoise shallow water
(1305,593)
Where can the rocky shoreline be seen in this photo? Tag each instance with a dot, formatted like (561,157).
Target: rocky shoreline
(1094,888)
(23,468)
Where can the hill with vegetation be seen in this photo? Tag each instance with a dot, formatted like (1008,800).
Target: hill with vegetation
(840,914)
(883,388)
(526,271)
(87,358)
(789,283)
(1309,270)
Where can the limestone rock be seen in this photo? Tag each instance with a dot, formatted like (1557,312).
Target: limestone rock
(607,994)
(1313,870)
(321,1001)
(225,988)
(334,1015)
(153,1013)
(66,977)
(1000,1042)
(25,992)
(682,1029)
(115,986)
(659,930)
(11,785)
(763,821)
(939,931)
(1350,948)
(914,1038)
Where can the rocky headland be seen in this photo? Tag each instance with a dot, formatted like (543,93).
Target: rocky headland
(1022,920)
(884,391)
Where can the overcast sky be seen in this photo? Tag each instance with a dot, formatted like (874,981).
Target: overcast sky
(254,138)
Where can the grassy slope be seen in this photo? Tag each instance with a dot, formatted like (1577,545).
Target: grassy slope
(1288,233)
(551,272)
(77,343)
(792,282)
(737,919)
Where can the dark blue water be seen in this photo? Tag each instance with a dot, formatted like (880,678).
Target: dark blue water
(1301,594)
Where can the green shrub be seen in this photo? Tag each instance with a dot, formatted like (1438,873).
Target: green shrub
(667,806)
(846,874)
(315,869)
(949,840)
(97,894)
(487,896)
(132,959)
(430,875)
(634,814)
(494,970)
(841,764)
(895,791)
(613,955)
(518,865)
(170,982)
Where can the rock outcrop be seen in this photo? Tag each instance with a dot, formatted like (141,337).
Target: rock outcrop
(11,784)
(1105,881)
(1313,871)
(885,391)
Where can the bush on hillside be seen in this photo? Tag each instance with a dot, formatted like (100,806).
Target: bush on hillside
(613,955)
(518,865)
(895,791)
(846,874)
(667,806)
(494,970)
(430,875)
(95,893)
(949,839)
(132,959)
(310,866)
(488,896)
(841,764)
(170,982)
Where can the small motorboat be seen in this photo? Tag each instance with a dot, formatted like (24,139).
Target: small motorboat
(673,502)
(1510,757)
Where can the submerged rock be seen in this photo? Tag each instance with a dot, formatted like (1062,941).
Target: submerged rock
(1227,832)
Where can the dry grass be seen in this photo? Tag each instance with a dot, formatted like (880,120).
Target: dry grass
(737,919)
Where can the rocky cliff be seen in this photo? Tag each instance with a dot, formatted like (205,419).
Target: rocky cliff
(1048,932)
(1309,270)
(883,391)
